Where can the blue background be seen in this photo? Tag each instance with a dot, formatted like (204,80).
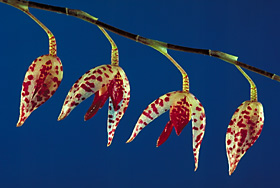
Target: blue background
(73,153)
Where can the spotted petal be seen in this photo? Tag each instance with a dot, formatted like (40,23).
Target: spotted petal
(244,129)
(155,109)
(40,83)
(198,125)
(115,113)
(88,84)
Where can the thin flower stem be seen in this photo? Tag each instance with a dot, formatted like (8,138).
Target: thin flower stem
(115,51)
(186,86)
(23,6)
(52,41)
(86,17)
(253,89)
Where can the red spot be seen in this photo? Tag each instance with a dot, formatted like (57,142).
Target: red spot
(48,62)
(106,75)
(55,79)
(249,108)
(87,89)
(245,112)
(202,116)
(198,137)
(166,99)
(148,115)
(99,71)
(228,142)
(198,109)
(246,117)
(99,78)
(240,124)
(161,102)
(73,103)
(243,133)
(30,77)
(154,108)
(229,130)
(195,128)
(90,84)
(78,96)
(195,120)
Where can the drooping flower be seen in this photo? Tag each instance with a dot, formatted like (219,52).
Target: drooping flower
(183,107)
(105,81)
(41,79)
(40,83)
(244,128)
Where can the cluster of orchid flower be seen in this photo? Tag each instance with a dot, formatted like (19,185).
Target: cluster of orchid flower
(110,82)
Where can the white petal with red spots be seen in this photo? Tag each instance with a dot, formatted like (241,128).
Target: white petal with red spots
(244,129)
(198,125)
(115,115)
(88,84)
(40,83)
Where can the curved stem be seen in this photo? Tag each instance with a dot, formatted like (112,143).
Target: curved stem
(86,17)
(52,41)
(23,6)
(186,86)
(115,51)
(253,89)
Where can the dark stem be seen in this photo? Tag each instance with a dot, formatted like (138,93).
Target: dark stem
(87,17)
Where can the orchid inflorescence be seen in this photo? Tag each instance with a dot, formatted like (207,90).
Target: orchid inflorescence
(109,82)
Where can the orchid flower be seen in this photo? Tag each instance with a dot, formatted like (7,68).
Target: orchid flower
(41,79)
(244,128)
(105,81)
(183,106)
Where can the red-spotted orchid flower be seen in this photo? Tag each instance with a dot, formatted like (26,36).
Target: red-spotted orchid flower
(41,79)
(244,128)
(105,81)
(183,106)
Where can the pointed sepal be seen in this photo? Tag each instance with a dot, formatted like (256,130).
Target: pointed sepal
(40,82)
(198,125)
(244,129)
(117,104)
